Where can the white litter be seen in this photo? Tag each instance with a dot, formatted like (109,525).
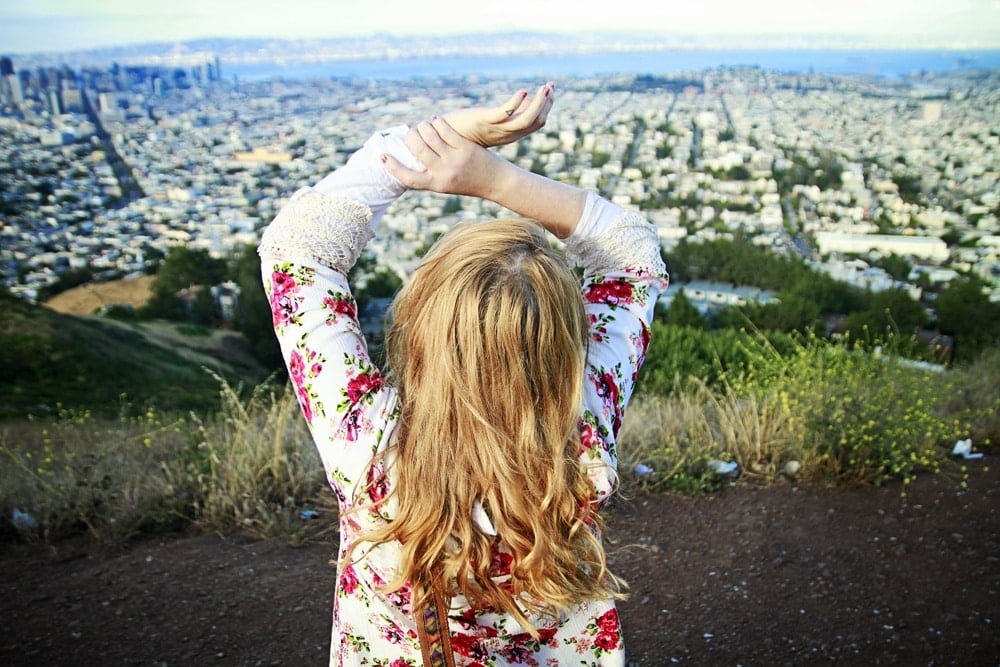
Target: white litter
(642,470)
(725,468)
(24,522)
(963,448)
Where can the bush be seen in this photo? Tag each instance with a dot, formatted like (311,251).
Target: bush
(255,466)
(820,412)
(79,473)
(252,467)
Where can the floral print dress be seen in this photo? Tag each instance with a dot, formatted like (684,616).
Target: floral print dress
(352,412)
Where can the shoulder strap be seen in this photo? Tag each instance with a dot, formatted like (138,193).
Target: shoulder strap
(432,628)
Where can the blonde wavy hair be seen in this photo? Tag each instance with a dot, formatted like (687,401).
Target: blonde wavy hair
(487,347)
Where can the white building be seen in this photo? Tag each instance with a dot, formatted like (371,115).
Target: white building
(924,247)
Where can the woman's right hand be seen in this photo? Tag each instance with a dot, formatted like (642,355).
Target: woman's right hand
(504,124)
(452,163)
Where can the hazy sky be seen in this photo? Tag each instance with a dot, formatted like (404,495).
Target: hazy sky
(61,25)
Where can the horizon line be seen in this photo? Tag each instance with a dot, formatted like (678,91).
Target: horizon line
(590,40)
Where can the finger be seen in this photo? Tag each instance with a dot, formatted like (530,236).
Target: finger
(447,133)
(511,106)
(418,146)
(542,103)
(534,113)
(416,180)
(432,137)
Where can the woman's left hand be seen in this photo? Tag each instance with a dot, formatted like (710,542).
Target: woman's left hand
(495,126)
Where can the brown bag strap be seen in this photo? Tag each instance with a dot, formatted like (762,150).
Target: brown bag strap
(432,628)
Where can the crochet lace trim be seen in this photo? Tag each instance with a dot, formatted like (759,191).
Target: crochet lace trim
(630,241)
(329,230)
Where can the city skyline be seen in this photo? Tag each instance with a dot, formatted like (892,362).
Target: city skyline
(69,25)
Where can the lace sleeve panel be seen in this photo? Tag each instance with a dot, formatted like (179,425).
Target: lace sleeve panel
(629,242)
(330,230)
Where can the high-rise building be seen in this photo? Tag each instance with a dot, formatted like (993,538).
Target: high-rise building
(10,86)
(53,101)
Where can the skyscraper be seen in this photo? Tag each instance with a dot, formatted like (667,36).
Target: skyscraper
(10,85)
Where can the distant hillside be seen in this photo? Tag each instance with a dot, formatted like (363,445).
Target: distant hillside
(87,299)
(49,359)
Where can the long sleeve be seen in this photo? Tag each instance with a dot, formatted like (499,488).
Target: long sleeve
(331,222)
(623,275)
(305,255)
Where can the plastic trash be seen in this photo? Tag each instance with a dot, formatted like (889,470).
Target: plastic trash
(642,470)
(725,468)
(24,522)
(308,514)
(963,448)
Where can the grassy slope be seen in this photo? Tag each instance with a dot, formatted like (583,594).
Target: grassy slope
(48,358)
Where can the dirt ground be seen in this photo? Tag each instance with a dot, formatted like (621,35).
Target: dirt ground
(748,576)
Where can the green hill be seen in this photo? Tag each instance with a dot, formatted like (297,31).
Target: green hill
(49,359)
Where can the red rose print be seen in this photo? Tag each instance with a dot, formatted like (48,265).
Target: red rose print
(394,634)
(283,306)
(467,646)
(281,283)
(305,403)
(588,437)
(339,306)
(378,485)
(500,564)
(546,635)
(351,425)
(349,580)
(401,598)
(607,388)
(608,622)
(606,640)
(296,368)
(613,292)
(359,385)
(516,654)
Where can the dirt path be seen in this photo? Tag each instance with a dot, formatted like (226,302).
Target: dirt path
(749,576)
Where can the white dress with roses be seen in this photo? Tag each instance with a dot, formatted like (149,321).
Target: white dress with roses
(306,253)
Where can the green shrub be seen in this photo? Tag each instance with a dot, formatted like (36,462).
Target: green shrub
(817,411)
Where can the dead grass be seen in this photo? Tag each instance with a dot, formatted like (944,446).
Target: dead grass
(90,298)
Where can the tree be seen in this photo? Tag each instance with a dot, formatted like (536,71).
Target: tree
(253,312)
(896,266)
(183,267)
(964,312)
(382,284)
(683,313)
(890,312)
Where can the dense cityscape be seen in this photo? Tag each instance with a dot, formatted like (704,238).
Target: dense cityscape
(106,169)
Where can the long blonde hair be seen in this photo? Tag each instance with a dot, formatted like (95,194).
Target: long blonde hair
(487,347)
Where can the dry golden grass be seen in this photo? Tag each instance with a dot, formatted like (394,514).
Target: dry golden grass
(88,299)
